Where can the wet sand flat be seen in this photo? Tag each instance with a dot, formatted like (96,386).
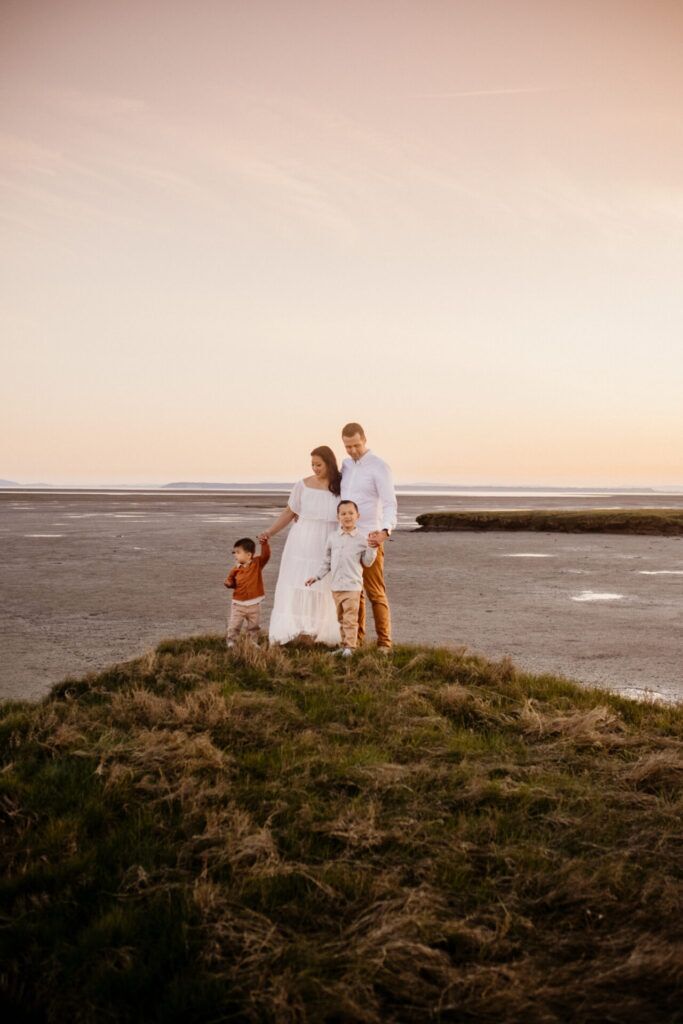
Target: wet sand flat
(90,578)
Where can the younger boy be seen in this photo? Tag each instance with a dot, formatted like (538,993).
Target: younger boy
(247,582)
(346,554)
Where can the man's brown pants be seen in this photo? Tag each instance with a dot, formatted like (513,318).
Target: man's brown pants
(373,582)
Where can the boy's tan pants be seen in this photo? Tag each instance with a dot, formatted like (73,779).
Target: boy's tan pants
(348,603)
(244,615)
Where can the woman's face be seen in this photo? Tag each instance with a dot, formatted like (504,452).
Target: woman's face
(319,468)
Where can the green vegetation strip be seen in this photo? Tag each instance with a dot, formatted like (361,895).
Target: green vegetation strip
(656,521)
(279,836)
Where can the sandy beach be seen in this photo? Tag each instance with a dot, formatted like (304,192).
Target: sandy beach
(90,578)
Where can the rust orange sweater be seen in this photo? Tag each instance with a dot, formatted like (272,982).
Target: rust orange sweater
(246,580)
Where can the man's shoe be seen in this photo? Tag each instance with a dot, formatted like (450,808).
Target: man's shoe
(338,650)
(384,650)
(347,652)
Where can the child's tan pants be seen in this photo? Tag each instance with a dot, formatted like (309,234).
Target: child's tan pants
(244,615)
(348,602)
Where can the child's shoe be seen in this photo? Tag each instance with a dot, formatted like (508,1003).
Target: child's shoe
(346,652)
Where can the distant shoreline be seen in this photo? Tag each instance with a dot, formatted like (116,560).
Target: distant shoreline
(266,487)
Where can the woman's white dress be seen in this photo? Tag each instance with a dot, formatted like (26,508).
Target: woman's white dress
(299,609)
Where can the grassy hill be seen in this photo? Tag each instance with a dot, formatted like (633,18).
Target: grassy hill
(666,522)
(277,836)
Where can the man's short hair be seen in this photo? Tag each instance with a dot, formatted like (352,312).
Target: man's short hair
(347,501)
(351,429)
(246,543)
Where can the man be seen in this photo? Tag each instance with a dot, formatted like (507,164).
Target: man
(366,479)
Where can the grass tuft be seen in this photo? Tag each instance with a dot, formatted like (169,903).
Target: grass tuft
(666,522)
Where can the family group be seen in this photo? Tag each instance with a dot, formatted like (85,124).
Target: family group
(338,522)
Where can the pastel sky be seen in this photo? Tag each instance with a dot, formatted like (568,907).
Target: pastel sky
(230,226)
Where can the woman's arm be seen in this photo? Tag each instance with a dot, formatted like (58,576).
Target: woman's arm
(284,519)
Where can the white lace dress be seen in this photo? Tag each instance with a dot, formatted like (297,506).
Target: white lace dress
(299,609)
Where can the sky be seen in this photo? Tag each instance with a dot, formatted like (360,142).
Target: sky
(229,227)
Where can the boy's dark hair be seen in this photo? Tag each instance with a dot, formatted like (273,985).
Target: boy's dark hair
(351,429)
(246,543)
(347,501)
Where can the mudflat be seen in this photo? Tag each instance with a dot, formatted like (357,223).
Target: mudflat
(90,578)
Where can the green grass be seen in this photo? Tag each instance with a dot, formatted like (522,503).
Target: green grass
(267,836)
(667,522)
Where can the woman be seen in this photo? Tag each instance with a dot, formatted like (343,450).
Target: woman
(312,511)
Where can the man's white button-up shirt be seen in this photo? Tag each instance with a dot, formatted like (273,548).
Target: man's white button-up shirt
(369,483)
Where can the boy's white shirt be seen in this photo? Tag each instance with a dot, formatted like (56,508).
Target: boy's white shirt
(346,568)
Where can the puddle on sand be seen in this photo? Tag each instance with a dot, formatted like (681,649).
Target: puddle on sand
(111,515)
(645,693)
(224,519)
(660,572)
(86,515)
(526,554)
(593,595)
(43,535)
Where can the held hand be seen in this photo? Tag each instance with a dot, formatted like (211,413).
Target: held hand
(376,538)
(310,581)
(263,538)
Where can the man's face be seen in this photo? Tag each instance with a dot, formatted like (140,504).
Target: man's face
(347,516)
(356,446)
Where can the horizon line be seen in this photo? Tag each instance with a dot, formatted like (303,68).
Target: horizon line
(8,485)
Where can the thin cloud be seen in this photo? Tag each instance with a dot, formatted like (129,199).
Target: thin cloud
(482,92)
(96,105)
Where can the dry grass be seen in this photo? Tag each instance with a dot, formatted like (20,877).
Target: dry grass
(203,836)
(666,522)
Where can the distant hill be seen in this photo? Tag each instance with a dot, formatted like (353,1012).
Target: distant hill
(15,483)
(267,485)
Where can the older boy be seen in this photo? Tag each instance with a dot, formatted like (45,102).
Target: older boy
(346,553)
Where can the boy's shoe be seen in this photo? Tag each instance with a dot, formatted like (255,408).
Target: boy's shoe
(347,652)
(386,651)
(338,650)
(229,644)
